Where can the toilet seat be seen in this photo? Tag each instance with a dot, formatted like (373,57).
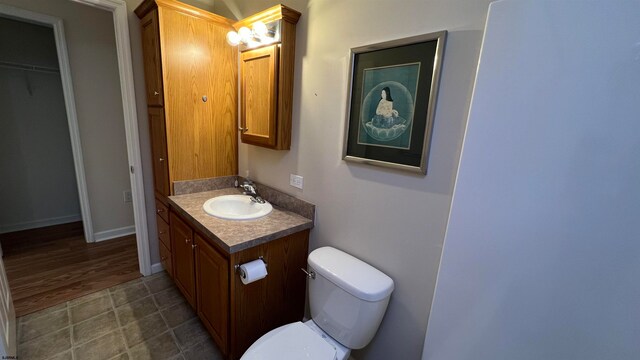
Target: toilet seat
(295,341)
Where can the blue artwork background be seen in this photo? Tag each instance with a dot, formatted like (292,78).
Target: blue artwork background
(403,82)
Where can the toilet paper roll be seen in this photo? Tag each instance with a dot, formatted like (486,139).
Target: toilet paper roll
(253,271)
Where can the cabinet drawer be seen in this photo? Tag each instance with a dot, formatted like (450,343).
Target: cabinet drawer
(163,232)
(165,259)
(162,210)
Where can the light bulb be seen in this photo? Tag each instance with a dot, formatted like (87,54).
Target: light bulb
(245,34)
(260,29)
(233,38)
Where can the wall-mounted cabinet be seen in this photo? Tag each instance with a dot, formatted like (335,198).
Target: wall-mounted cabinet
(266,82)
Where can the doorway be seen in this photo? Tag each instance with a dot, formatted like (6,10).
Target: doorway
(118,13)
(49,255)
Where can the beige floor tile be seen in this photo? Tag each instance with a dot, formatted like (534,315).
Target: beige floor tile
(146,328)
(62,356)
(125,285)
(136,310)
(123,356)
(94,327)
(158,348)
(43,325)
(190,333)
(178,314)
(102,348)
(158,282)
(129,293)
(89,297)
(91,308)
(40,313)
(42,347)
(168,297)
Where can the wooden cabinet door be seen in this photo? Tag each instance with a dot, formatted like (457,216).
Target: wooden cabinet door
(152,60)
(159,151)
(212,272)
(183,259)
(258,92)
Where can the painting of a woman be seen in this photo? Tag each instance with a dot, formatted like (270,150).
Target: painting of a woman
(386,116)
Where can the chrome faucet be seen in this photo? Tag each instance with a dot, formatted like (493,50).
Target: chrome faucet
(250,189)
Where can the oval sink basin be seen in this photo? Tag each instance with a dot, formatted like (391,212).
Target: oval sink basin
(236,207)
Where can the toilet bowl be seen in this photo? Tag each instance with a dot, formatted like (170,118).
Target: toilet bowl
(297,341)
(347,298)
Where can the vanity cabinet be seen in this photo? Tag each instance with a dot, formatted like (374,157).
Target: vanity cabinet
(183,258)
(235,314)
(212,289)
(266,81)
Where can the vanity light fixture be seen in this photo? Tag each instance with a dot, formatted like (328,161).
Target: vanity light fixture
(259,34)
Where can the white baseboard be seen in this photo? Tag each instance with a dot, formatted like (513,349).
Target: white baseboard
(40,223)
(156,268)
(114,233)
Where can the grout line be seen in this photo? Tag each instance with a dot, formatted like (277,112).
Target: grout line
(115,313)
(170,330)
(73,353)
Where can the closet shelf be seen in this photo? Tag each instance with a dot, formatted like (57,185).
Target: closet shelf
(28,67)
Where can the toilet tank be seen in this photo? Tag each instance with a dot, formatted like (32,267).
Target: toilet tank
(348,297)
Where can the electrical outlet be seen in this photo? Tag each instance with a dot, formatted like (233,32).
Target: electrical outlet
(127,196)
(296,181)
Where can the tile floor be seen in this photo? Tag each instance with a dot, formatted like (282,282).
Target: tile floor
(146,318)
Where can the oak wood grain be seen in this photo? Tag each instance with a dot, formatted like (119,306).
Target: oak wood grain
(200,110)
(212,288)
(49,266)
(273,13)
(159,151)
(258,95)
(151,56)
(183,258)
(283,83)
(274,301)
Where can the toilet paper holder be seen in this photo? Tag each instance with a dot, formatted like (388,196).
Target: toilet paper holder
(236,267)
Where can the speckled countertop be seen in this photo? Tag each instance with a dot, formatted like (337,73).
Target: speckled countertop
(236,235)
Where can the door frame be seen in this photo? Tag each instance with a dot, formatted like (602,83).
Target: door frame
(125,68)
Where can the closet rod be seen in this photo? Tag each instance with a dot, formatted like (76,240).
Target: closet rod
(27,67)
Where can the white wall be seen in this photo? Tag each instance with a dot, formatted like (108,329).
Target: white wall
(36,163)
(94,68)
(393,220)
(541,257)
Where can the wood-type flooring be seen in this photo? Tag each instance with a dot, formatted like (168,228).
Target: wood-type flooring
(52,265)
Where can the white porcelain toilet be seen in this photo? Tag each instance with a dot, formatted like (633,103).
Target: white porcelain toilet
(348,299)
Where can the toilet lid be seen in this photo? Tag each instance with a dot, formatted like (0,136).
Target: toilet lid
(294,341)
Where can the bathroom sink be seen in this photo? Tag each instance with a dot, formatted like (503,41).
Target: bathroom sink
(236,207)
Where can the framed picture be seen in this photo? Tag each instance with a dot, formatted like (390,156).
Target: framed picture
(392,97)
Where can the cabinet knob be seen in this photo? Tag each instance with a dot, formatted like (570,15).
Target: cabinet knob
(156,93)
(163,258)
(187,240)
(161,232)
(194,246)
(204,98)
(161,159)
(160,211)
(241,129)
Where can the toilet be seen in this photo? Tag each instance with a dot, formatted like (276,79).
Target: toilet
(347,298)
